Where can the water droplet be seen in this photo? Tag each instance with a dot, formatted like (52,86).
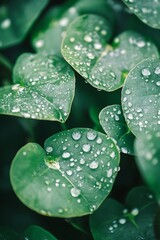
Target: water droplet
(158,83)
(82,161)
(92,208)
(141,44)
(66,155)
(130,116)
(49,149)
(86,147)
(124,150)
(157,70)
(15,109)
(75,192)
(146,72)
(69,172)
(87,38)
(94,165)
(122,221)
(91,135)
(97,46)
(109,173)
(39,43)
(60,210)
(72,39)
(135,212)
(6,23)
(64,22)
(112,154)
(49,189)
(99,140)
(76,135)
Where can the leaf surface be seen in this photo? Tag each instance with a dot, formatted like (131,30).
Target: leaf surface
(135,220)
(16,18)
(147,11)
(140,97)
(105,67)
(147,150)
(73,176)
(43,88)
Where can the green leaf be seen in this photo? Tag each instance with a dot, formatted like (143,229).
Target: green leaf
(7,233)
(16,18)
(5,70)
(43,88)
(147,150)
(35,232)
(147,11)
(113,123)
(104,67)
(140,97)
(73,176)
(54,24)
(113,221)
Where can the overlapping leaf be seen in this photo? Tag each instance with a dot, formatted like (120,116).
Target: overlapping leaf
(16,18)
(147,149)
(148,11)
(104,67)
(140,97)
(113,123)
(135,220)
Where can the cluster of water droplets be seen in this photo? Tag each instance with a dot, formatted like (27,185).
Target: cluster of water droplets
(147,11)
(125,219)
(44,88)
(141,100)
(86,160)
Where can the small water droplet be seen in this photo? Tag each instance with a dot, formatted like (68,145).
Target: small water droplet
(146,72)
(39,43)
(122,221)
(99,140)
(69,172)
(158,83)
(135,212)
(49,149)
(87,38)
(75,192)
(76,135)
(86,147)
(6,23)
(109,173)
(157,70)
(94,165)
(66,155)
(82,161)
(112,154)
(130,116)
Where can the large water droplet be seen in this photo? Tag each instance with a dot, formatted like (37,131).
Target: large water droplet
(87,38)
(146,72)
(135,212)
(91,135)
(122,221)
(76,135)
(157,70)
(49,149)
(75,192)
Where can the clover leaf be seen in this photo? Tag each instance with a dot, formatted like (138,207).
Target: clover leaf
(71,177)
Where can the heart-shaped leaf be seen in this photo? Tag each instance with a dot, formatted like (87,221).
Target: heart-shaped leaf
(147,149)
(35,232)
(104,67)
(113,221)
(16,18)
(54,24)
(113,123)
(43,88)
(71,178)
(140,97)
(148,11)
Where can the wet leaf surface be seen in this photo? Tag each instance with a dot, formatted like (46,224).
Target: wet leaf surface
(113,123)
(43,88)
(16,18)
(140,97)
(35,232)
(73,176)
(147,150)
(135,220)
(148,11)
(105,67)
